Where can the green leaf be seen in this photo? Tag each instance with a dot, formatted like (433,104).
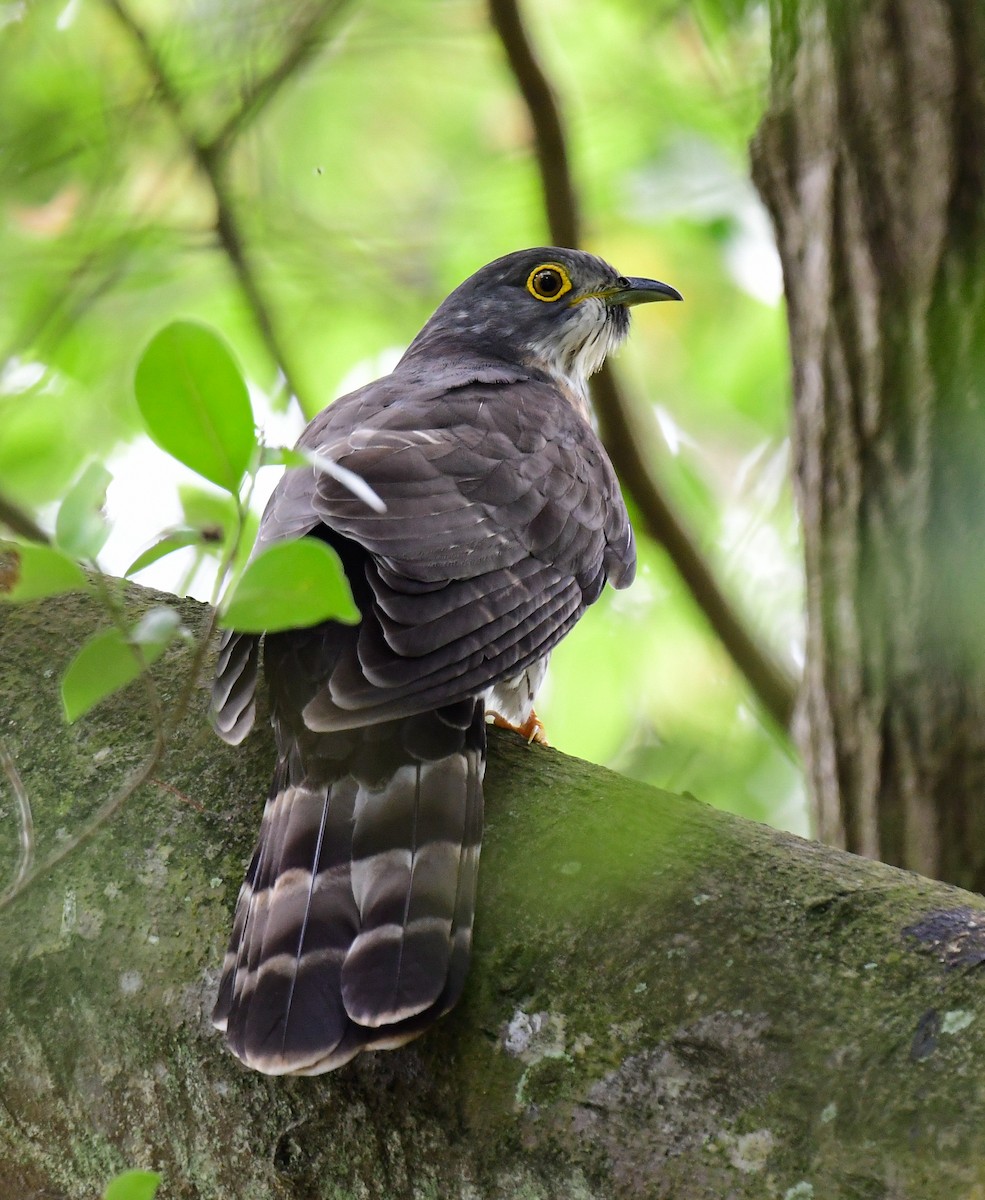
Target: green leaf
(133,1185)
(110,660)
(80,527)
(212,513)
(194,402)
(30,572)
(39,451)
(178,539)
(291,585)
(154,630)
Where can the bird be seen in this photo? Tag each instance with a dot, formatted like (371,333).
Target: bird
(502,521)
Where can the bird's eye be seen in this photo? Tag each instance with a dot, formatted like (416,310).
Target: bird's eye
(549,281)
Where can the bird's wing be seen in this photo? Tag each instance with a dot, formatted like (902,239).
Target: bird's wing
(503,521)
(476,479)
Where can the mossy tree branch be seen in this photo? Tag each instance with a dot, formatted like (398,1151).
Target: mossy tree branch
(665,1000)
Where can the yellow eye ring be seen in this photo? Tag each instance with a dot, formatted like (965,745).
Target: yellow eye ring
(548,282)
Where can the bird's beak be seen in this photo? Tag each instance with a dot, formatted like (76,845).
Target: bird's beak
(639,291)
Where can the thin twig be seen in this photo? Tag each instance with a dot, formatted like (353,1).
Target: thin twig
(154,65)
(768,679)
(164,730)
(26,835)
(211,156)
(205,640)
(138,777)
(112,605)
(254,99)
(135,780)
(163,784)
(21,522)
(772,684)
(560,201)
(232,241)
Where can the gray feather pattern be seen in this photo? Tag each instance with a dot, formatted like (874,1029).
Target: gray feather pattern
(408,843)
(234,689)
(503,520)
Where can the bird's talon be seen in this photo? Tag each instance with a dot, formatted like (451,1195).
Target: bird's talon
(532,729)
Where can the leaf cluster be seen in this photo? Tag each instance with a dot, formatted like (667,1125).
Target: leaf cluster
(195,405)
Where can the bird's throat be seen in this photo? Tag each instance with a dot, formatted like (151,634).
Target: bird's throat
(573,357)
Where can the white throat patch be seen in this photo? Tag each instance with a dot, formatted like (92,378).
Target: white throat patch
(589,335)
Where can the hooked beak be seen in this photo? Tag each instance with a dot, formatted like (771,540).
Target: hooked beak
(639,291)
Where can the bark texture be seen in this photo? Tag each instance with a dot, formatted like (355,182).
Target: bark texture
(665,1001)
(872,162)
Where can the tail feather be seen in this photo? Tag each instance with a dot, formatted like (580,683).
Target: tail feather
(353,926)
(467,880)
(407,847)
(300,919)
(234,689)
(250,911)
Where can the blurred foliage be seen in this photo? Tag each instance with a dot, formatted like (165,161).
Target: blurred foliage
(370,177)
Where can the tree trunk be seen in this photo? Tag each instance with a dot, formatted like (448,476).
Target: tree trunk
(872,161)
(665,1001)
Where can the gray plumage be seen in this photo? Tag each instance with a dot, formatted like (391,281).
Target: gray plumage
(503,522)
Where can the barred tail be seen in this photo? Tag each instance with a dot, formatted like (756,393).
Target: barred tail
(353,927)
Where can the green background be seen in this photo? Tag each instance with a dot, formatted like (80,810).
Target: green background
(392,162)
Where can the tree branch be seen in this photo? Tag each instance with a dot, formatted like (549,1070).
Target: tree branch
(307,42)
(560,201)
(770,681)
(664,999)
(21,522)
(211,157)
(627,443)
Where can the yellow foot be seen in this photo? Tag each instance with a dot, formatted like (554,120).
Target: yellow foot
(531,729)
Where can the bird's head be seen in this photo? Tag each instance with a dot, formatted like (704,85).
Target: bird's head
(559,310)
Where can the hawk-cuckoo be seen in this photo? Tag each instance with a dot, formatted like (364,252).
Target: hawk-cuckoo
(503,521)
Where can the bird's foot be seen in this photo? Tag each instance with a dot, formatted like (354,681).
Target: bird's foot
(531,730)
